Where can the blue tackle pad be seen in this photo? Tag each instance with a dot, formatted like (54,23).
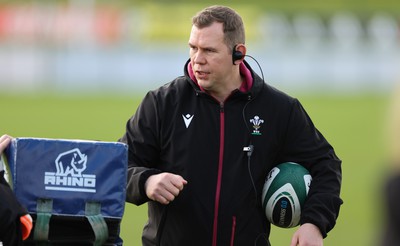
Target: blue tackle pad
(70,178)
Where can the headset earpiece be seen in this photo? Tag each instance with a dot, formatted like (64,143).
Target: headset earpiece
(236,55)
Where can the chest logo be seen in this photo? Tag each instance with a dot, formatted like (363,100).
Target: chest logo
(256,121)
(187,119)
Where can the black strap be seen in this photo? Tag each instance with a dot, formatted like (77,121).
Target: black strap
(92,213)
(96,220)
(44,209)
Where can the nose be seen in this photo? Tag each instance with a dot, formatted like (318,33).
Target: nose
(199,57)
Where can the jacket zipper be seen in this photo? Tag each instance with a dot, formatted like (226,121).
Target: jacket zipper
(219,179)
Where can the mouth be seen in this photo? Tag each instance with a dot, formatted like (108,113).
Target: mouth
(201,74)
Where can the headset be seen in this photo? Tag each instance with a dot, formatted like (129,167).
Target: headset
(236,55)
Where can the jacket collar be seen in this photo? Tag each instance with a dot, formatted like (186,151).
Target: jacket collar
(257,83)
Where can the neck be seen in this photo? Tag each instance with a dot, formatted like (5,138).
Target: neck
(222,92)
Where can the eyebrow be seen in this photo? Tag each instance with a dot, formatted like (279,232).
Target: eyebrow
(203,48)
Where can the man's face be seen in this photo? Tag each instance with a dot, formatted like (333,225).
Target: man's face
(210,57)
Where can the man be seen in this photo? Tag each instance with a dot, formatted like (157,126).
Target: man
(186,142)
(15,222)
(391,184)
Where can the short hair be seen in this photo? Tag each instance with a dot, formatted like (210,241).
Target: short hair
(233,27)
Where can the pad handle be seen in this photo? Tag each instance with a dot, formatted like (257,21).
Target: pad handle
(96,220)
(92,213)
(44,209)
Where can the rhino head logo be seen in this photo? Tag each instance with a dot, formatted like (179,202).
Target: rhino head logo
(71,162)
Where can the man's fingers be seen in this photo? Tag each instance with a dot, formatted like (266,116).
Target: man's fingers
(4,142)
(294,241)
(174,186)
(178,182)
(164,187)
(165,198)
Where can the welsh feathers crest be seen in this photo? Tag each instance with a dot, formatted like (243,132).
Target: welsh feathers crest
(256,121)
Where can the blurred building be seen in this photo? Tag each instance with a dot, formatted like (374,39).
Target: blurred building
(82,46)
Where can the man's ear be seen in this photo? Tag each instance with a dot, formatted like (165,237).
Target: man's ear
(238,54)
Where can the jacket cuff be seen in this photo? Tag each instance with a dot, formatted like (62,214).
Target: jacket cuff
(316,223)
(142,180)
(322,217)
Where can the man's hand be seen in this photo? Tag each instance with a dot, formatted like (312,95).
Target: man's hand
(307,235)
(164,187)
(4,142)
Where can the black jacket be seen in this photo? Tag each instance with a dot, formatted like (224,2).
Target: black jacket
(10,213)
(391,210)
(219,202)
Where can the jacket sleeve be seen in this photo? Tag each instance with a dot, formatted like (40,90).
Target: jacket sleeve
(141,136)
(391,195)
(10,213)
(305,145)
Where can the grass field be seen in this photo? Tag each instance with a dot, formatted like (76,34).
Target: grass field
(353,124)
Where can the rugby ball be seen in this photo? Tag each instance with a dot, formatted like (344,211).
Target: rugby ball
(284,192)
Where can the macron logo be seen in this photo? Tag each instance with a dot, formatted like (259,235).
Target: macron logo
(187,119)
